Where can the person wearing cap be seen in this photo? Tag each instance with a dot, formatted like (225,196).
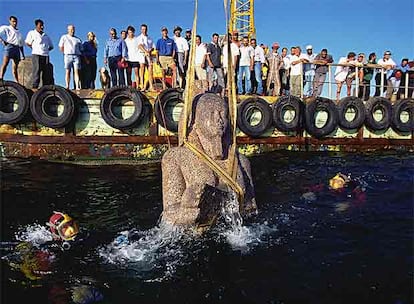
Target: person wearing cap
(12,41)
(41,45)
(274,62)
(214,53)
(259,61)
(89,65)
(181,55)
(71,46)
(115,52)
(321,62)
(166,49)
(397,77)
(387,67)
(308,71)
(146,46)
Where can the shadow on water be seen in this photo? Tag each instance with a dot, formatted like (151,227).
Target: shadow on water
(301,248)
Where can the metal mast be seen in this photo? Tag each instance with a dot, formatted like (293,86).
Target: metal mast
(242,17)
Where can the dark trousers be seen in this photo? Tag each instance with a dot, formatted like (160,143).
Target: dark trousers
(116,71)
(364,90)
(41,66)
(378,84)
(88,72)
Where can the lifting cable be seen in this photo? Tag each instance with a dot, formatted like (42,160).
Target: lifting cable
(228,177)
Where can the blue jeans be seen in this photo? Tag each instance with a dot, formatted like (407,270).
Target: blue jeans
(258,75)
(116,71)
(244,70)
(308,87)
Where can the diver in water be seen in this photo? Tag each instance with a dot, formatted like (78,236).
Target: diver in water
(341,187)
(63,228)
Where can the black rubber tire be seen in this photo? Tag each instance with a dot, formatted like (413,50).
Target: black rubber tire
(371,106)
(37,106)
(167,96)
(111,97)
(403,105)
(288,103)
(318,105)
(243,117)
(347,103)
(12,89)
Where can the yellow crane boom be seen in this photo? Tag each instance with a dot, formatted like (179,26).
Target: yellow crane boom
(242,17)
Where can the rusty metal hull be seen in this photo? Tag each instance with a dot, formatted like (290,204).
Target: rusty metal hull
(89,137)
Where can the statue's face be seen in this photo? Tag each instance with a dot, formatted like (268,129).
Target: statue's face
(211,124)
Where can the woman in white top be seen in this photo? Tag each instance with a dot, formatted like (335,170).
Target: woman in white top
(134,56)
(341,72)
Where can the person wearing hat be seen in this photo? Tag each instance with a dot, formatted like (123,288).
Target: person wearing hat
(181,55)
(382,74)
(308,71)
(166,49)
(274,62)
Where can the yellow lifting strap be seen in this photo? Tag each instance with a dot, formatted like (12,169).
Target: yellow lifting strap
(228,177)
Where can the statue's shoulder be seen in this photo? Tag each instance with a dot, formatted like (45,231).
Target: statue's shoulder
(176,153)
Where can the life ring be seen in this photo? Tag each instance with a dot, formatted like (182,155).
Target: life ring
(371,106)
(245,116)
(12,93)
(117,96)
(321,104)
(168,98)
(355,104)
(44,106)
(403,105)
(288,103)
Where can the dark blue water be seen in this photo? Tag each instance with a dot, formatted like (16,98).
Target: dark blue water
(322,248)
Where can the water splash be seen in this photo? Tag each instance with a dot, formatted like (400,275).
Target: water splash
(34,234)
(161,248)
(238,236)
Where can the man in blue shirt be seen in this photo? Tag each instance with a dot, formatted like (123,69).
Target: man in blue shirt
(114,56)
(166,49)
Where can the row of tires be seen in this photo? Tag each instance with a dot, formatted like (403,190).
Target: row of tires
(255,115)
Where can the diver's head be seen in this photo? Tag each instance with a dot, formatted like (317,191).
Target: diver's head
(339,181)
(62,226)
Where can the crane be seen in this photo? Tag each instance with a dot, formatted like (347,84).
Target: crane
(242,17)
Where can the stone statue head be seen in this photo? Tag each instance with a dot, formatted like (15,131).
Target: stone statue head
(209,125)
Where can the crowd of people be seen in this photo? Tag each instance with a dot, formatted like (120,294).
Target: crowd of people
(258,69)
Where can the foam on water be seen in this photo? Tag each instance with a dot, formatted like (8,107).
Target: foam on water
(34,234)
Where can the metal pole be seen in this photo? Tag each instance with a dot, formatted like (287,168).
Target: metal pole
(406,86)
(356,81)
(382,82)
(329,82)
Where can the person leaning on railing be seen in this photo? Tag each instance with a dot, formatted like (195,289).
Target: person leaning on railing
(342,70)
(388,64)
(364,90)
(321,61)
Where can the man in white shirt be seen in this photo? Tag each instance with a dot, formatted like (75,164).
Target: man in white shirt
(296,72)
(133,56)
(71,46)
(245,67)
(41,45)
(146,46)
(200,62)
(234,54)
(12,41)
(182,53)
(342,71)
(259,60)
(308,71)
(388,65)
